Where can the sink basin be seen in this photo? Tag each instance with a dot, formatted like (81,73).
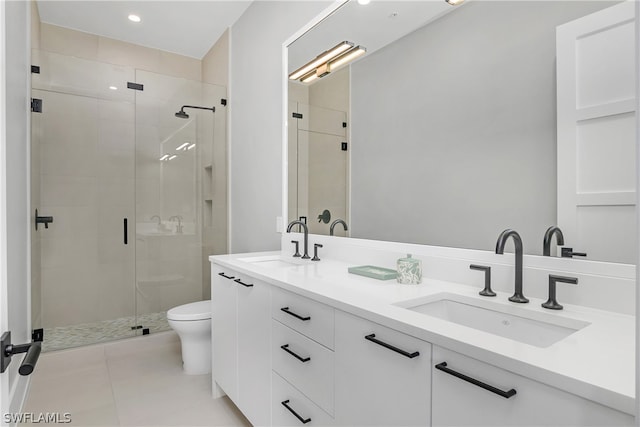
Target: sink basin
(271,261)
(529,327)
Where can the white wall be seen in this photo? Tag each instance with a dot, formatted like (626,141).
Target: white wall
(256,119)
(463,112)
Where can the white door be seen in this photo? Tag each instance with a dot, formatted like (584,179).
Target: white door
(14,195)
(596,134)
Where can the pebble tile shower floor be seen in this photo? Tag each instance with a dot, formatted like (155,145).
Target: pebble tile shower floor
(133,382)
(107,330)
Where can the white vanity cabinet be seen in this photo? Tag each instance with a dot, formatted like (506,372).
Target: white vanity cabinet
(383,376)
(241,334)
(484,395)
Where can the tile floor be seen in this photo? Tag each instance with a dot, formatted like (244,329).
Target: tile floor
(133,382)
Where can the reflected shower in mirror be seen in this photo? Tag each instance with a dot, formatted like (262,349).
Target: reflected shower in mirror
(462,128)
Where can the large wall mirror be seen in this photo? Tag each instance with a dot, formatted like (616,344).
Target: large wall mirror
(462,121)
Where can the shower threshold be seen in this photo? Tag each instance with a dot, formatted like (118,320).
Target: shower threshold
(63,337)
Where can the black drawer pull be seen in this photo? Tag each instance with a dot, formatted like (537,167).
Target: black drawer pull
(300,358)
(297,316)
(248,285)
(506,394)
(372,338)
(225,276)
(302,420)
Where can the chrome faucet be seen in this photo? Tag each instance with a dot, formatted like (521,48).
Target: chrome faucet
(306,236)
(159,219)
(548,235)
(502,240)
(336,222)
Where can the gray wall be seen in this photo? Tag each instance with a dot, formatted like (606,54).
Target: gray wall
(255,96)
(454,128)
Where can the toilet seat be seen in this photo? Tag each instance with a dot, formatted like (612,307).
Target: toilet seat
(200,310)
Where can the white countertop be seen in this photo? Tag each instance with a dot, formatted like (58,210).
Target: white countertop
(596,362)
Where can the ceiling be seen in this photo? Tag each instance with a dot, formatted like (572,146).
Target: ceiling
(187,28)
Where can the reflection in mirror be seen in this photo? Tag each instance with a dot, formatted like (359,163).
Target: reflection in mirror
(482,120)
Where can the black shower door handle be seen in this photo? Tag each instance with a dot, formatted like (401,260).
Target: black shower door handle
(126,231)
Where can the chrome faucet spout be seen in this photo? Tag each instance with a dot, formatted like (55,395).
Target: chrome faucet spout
(502,240)
(548,235)
(336,222)
(306,236)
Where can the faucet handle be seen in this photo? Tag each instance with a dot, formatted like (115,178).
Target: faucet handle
(568,253)
(552,302)
(297,254)
(315,252)
(486,292)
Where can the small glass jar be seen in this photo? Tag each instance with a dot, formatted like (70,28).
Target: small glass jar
(409,270)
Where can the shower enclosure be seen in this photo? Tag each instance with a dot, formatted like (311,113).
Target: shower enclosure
(130,187)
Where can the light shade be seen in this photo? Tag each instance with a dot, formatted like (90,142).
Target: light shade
(327,62)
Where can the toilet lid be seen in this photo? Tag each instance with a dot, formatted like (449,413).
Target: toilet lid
(200,310)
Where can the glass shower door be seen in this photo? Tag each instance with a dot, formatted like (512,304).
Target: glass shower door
(82,176)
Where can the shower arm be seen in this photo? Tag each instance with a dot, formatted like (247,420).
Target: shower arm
(198,108)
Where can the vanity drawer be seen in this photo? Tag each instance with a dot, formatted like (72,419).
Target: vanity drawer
(304,363)
(310,318)
(492,396)
(283,394)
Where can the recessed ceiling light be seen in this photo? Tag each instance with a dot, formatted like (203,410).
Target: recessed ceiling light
(363,2)
(113,88)
(134,18)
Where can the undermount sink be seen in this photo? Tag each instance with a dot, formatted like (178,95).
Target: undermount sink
(271,261)
(515,323)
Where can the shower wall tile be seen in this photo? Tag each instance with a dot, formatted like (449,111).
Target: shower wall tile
(180,66)
(123,53)
(68,42)
(68,191)
(72,251)
(60,160)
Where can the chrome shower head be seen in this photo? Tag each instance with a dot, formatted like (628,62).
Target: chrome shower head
(181,114)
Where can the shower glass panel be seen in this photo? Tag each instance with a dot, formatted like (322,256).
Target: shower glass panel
(103,153)
(171,181)
(83,158)
(317,166)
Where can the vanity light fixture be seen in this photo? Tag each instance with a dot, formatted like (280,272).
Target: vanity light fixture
(113,88)
(134,18)
(327,62)
(454,2)
(163,158)
(172,157)
(191,146)
(364,2)
(183,146)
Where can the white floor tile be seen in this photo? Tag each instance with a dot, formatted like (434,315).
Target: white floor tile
(134,382)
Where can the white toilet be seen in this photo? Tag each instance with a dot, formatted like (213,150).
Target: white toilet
(192,322)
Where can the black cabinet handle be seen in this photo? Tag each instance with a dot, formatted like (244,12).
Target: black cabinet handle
(126,232)
(372,338)
(248,285)
(226,277)
(506,394)
(302,420)
(297,316)
(300,358)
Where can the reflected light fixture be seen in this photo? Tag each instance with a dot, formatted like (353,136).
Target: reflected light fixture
(454,2)
(191,146)
(134,18)
(364,2)
(327,62)
(113,88)
(165,157)
(172,157)
(183,146)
